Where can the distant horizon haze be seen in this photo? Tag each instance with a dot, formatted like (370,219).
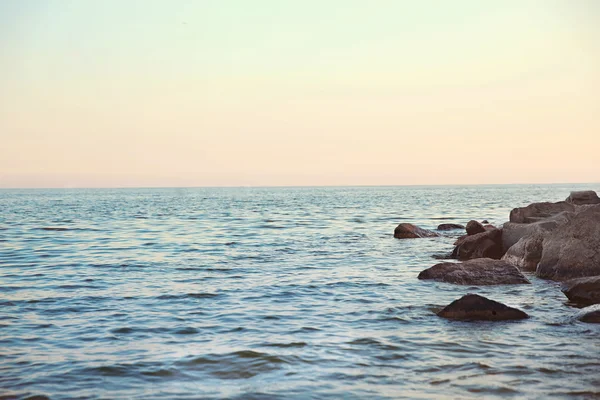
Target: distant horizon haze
(151,93)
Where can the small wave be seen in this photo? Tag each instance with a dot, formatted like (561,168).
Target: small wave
(54,228)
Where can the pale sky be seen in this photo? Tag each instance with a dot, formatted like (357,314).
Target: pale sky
(114,93)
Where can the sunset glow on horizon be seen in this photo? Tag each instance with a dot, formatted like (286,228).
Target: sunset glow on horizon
(273,93)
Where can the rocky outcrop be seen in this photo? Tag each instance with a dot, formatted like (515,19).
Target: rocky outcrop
(478,308)
(474,227)
(589,314)
(487,244)
(483,271)
(538,211)
(583,291)
(572,250)
(583,197)
(449,227)
(410,231)
(526,253)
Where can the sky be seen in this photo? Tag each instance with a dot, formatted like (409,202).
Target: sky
(126,93)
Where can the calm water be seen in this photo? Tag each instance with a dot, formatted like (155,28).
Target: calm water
(268,293)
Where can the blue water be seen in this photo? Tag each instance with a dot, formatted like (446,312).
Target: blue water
(268,293)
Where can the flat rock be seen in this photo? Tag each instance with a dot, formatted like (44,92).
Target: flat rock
(487,244)
(410,231)
(449,227)
(538,211)
(589,314)
(583,197)
(474,227)
(572,250)
(583,290)
(526,253)
(478,308)
(482,271)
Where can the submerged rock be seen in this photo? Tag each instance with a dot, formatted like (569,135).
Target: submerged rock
(478,308)
(538,211)
(487,244)
(583,290)
(526,253)
(449,227)
(583,197)
(482,271)
(572,250)
(410,231)
(474,227)
(589,314)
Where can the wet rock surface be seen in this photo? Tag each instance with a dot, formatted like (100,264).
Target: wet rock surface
(482,271)
(584,291)
(474,227)
(487,244)
(583,197)
(449,227)
(589,314)
(478,308)
(410,231)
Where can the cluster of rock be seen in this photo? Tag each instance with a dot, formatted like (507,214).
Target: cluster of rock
(558,241)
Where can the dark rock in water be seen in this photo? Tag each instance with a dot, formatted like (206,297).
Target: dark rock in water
(583,197)
(537,211)
(449,227)
(482,271)
(583,290)
(487,244)
(485,221)
(410,231)
(442,256)
(589,314)
(572,250)
(474,227)
(526,253)
(478,308)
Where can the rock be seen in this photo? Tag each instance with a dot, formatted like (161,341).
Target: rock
(485,221)
(410,231)
(487,244)
(489,227)
(589,314)
(583,290)
(512,232)
(583,197)
(537,211)
(526,253)
(482,271)
(572,250)
(474,227)
(449,227)
(478,308)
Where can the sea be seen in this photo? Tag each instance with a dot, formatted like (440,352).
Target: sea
(269,293)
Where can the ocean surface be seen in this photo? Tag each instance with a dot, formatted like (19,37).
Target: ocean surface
(269,293)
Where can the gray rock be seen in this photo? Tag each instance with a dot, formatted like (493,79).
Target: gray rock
(512,232)
(474,227)
(526,253)
(583,197)
(589,314)
(449,227)
(538,211)
(478,308)
(583,290)
(487,244)
(482,271)
(410,231)
(572,250)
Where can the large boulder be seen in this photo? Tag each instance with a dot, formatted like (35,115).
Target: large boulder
(538,211)
(589,314)
(410,231)
(482,271)
(474,227)
(449,227)
(526,253)
(486,244)
(572,250)
(478,308)
(583,290)
(583,197)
